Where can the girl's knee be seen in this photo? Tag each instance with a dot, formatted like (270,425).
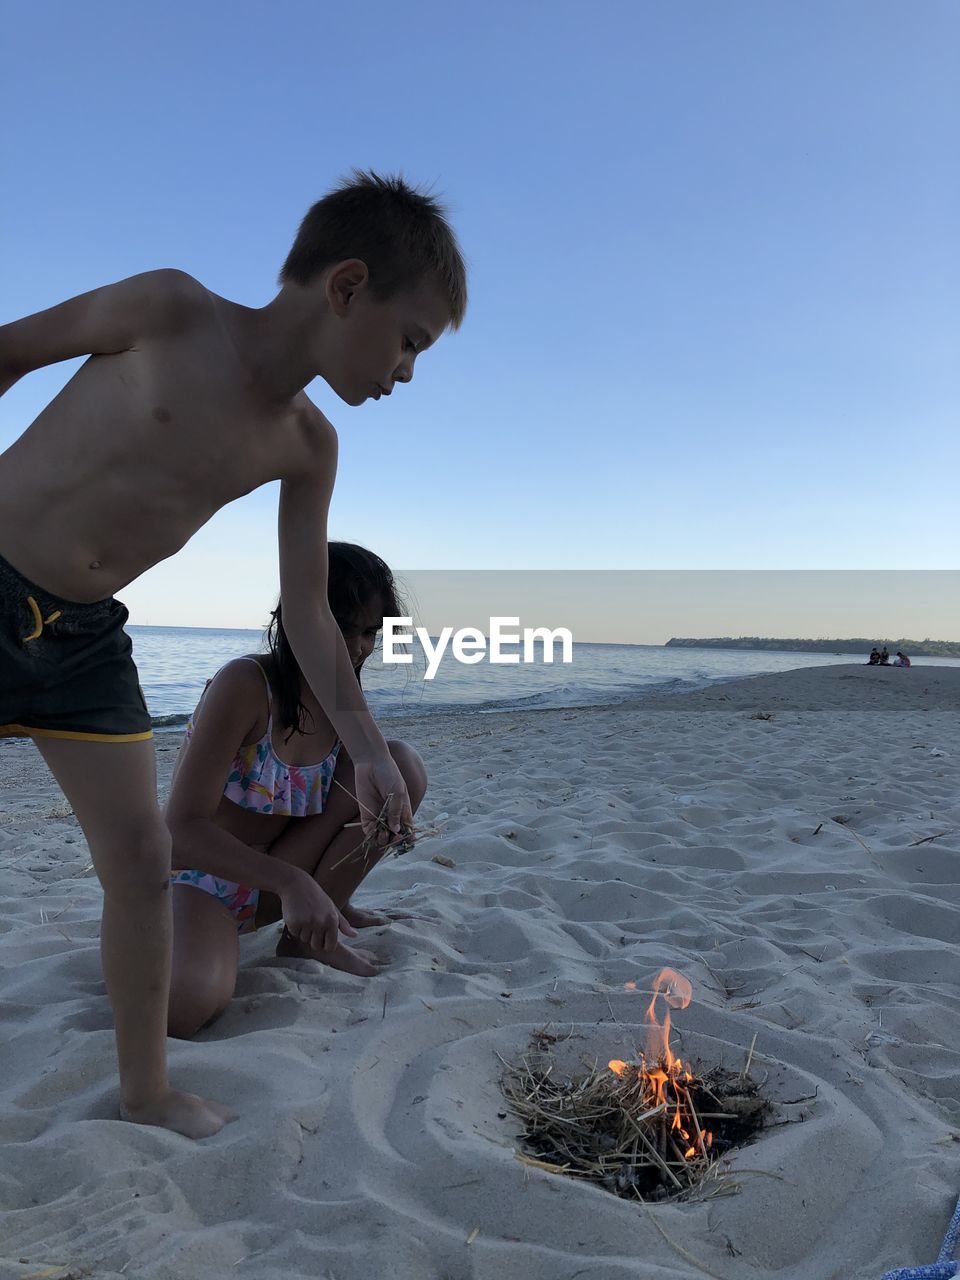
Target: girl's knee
(195,1002)
(186,1017)
(206,955)
(411,765)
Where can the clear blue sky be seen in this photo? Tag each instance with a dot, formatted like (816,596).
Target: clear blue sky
(713,252)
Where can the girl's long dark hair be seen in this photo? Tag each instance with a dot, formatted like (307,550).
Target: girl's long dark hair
(356,579)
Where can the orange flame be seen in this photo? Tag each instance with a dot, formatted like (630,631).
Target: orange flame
(676,992)
(666,1073)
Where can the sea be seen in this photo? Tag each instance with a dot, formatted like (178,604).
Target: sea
(175,663)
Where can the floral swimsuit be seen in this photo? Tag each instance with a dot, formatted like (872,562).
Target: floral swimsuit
(263,783)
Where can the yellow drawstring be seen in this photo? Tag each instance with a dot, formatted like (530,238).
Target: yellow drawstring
(38,620)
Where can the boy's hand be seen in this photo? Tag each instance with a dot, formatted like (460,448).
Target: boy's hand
(385,812)
(311,915)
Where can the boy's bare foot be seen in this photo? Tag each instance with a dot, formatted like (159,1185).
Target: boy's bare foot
(365,964)
(183,1113)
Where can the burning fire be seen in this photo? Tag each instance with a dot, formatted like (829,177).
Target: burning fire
(666,1078)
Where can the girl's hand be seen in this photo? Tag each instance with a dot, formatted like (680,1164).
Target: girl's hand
(382,790)
(311,915)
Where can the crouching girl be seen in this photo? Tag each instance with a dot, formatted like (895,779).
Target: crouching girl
(262,811)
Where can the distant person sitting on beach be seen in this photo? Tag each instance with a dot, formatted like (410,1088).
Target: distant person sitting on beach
(262,806)
(874,657)
(884,657)
(901,660)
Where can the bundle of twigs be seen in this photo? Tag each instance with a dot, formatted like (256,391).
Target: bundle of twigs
(612,1130)
(382,840)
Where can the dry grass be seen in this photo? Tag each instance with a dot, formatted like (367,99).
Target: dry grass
(614,1131)
(382,839)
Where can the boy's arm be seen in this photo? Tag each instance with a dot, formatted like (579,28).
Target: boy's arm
(101,322)
(315,637)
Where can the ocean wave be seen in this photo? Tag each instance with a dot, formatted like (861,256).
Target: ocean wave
(174,668)
(564,696)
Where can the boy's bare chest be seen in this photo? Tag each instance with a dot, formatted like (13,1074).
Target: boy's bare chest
(189,417)
(151,441)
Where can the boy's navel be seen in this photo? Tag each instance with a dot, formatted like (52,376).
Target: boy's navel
(94,564)
(161,414)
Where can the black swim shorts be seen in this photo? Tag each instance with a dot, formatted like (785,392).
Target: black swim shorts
(66,669)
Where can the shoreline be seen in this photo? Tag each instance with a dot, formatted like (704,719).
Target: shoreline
(801,870)
(926,688)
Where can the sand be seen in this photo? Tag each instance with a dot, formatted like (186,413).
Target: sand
(784,865)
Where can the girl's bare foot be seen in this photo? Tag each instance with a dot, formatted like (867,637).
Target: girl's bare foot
(365,964)
(373,919)
(183,1113)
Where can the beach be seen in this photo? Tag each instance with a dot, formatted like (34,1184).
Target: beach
(790,843)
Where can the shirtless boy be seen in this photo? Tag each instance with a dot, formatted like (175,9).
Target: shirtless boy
(187,402)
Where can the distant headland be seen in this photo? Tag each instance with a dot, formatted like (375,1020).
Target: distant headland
(858,644)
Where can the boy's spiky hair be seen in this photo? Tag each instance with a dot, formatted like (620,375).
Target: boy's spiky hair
(401,233)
